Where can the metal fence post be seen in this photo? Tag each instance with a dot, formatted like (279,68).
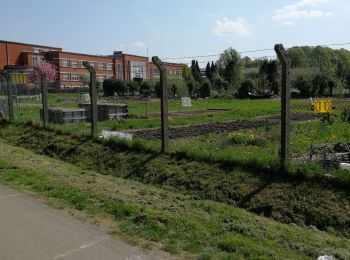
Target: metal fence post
(93,97)
(44,95)
(163,103)
(285,105)
(6,75)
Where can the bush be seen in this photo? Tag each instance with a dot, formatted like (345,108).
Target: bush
(219,83)
(147,85)
(112,85)
(303,86)
(177,87)
(133,87)
(205,89)
(245,89)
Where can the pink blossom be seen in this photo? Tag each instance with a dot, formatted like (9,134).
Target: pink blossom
(49,70)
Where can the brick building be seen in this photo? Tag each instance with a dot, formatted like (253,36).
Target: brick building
(70,65)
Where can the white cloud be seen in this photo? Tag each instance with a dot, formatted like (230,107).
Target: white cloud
(140,45)
(287,23)
(228,27)
(300,10)
(311,2)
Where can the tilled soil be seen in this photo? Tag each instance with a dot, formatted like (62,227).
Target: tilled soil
(217,127)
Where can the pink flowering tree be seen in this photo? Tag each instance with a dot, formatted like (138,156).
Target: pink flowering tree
(49,70)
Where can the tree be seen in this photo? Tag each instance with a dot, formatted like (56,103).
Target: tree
(303,86)
(230,67)
(245,89)
(208,71)
(205,89)
(298,57)
(321,83)
(261,84)
(219,83)
(270,70)
(189,79)
(84,79)
(196,71)
(213,68)
(112,85)
(47,68)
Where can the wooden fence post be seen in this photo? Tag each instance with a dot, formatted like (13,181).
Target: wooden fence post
(163,103)
(93,97)
(44,95)
(6,75)
(285,105)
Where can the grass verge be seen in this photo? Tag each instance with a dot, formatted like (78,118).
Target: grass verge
(315,201)
(156,218)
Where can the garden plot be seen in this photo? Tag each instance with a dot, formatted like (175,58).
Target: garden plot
(217,127)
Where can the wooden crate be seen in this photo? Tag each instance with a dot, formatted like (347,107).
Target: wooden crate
(107,111)
(66,115)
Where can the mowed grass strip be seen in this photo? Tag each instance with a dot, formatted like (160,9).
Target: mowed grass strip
(156,218)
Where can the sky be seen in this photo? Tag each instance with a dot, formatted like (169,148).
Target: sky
(180,28)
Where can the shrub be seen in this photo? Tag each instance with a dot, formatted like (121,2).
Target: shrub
(112,85)
(245,89)
(303,86)
(133,87)
(205,89)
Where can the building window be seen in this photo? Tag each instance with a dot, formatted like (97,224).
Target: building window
(82,65)
(65,76)
(120,71)
(101,66)
(74,63)
(36,60)
(108,76)
(36,50)
(65,63)
(92,64)
(75,77)
(109,66)
(137,70)
(101,78)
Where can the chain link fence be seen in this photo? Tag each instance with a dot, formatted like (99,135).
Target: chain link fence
(321,135)
(240,125)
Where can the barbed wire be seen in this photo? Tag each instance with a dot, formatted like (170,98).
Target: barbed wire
(250,51)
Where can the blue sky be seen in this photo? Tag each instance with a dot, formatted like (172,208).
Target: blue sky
(170,28)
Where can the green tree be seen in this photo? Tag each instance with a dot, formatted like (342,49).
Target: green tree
(208,71)
(321,83)
(270,70)
(219,83)
(246,88)
(205,88)
(112,85)
(304,86)
(230,67)
(298,57)
(196,71)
